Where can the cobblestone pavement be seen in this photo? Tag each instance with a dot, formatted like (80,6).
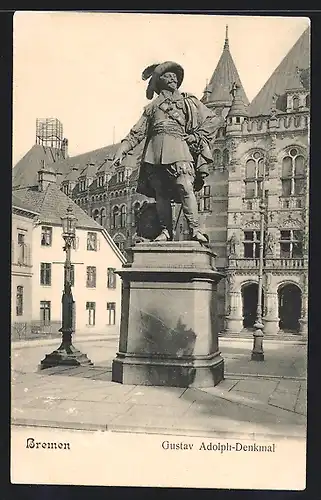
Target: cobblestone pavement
(256,398)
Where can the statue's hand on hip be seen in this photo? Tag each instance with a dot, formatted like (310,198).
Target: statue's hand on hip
(190,139)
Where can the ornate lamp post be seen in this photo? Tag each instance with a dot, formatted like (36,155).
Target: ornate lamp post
(257,351)
(67,354)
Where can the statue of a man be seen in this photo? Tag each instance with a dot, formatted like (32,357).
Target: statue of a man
(232,243)
(270,244)
(178,129)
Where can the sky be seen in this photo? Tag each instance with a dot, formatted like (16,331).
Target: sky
(85,68)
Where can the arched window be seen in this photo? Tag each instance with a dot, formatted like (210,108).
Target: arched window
(307,101)
(95,215)
(135,213)
(293,173)
(115,216)
(254,175)
(295,102)
(217,158)
(102,216)
(123,216)
(226,157)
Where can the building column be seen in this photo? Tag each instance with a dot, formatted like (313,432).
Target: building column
(234,318)
(271,319)
(304,315)
(304,305)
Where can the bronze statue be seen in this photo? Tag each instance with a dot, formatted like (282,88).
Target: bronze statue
(178,130)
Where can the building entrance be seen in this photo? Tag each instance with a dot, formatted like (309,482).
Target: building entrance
(249,301)
(289,308)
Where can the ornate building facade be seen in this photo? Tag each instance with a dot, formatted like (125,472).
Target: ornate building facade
(261,162)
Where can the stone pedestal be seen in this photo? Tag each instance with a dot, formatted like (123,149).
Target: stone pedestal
(168,331)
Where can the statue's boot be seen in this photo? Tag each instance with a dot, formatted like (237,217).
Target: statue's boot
(200,237)
(163,236)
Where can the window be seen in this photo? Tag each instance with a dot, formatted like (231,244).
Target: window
(111,308)
(91,308)
(293,174)
(22,248)
(46,236)
(45,312)
(123,216)
(45,273)
(217,158)
(295,103)
(19,301)
(82,185)
(115,216)
(120,176)
(92,240)
(101,180)
(136,209)
(111,278)
(91,277)
(120,245)
(65,188)
(95,215)
(102,216)
(226,157)
(254,175)
(291,242)
(252,244)
(204,199)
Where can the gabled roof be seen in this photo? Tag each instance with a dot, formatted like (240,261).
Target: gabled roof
(25,172)
(286,76)
(225,74)
(96,157)
(22,205)
(52,204)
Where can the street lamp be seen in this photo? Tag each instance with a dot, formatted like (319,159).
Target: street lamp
(257,351)
(67,354)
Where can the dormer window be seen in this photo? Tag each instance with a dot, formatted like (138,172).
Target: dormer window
(65,188)
(120,176)
(295,102)
(82,185)
(100,181)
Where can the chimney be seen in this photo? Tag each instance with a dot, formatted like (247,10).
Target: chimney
(64,148)
(46,176)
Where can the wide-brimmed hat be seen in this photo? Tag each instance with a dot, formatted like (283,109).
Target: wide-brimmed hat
(154,71)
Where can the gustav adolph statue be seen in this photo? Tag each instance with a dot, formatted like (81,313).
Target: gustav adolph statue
(178,130)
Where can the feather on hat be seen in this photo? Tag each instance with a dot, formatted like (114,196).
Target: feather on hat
(154,71)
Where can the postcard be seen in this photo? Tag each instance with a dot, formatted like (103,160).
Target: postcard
(160,232)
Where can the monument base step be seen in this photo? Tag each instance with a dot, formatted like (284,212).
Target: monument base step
(185,373)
